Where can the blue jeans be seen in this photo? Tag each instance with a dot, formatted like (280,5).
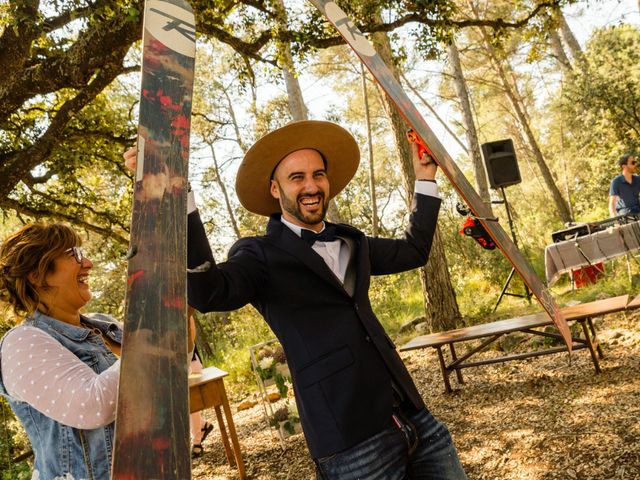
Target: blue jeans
(387,455)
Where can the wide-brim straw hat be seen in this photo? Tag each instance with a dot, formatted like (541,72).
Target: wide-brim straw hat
(337,146)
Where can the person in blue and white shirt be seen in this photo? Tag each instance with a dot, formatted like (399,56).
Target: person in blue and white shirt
(624,189)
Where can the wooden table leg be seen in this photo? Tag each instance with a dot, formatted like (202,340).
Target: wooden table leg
(225,438)
(233,434)
(443,368)
(587,336)
(595,338)
(454,357)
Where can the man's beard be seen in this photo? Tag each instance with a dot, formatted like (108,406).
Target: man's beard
(292,207)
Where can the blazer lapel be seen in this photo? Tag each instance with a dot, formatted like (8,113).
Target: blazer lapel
(357,269)
(282,237)
(351,274)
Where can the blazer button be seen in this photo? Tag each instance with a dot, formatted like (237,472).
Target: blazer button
(367,338)
(355,305)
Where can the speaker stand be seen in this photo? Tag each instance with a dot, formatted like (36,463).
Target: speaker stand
(527,293)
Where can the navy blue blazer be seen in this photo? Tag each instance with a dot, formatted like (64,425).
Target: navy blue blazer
(342,361)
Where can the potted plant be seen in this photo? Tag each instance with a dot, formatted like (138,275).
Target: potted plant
(286,421)
(270,366)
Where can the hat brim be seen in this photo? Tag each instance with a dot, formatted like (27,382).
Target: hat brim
(337,146)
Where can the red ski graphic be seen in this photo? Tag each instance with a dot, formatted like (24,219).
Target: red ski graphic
(152,421)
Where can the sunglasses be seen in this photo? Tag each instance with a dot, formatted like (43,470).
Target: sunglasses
(78,253)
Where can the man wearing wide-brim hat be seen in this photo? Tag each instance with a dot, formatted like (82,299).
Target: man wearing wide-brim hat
(361,413)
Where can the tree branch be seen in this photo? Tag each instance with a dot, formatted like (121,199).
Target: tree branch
(54,23)
(31,180)
(18,167)
(16,39)
(95,48)
(67,206)
(11,204)
(249,49)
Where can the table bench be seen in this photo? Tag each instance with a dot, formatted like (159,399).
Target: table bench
(635,303)
(491,332)
(206,390)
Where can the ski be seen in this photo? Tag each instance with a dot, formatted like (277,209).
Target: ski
(152,421)
(383,76)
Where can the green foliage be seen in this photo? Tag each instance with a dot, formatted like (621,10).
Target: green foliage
(230,337)
(606,96)
(83,178)
(596,117)
(108,279)
(13,442)
(133,14)
(583,126)
(285,416)
(22,471)
(396,299)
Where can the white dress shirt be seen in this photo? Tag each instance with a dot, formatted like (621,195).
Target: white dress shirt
(336,253)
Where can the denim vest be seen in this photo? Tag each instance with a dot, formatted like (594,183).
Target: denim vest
(61,451)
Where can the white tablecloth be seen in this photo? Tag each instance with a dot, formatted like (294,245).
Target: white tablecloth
(569,255)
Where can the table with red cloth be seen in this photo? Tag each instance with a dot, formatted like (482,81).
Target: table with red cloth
(590,250)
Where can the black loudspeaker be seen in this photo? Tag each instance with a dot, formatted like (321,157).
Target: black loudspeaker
(501,163)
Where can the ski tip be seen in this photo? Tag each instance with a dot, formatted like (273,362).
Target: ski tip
(172,23)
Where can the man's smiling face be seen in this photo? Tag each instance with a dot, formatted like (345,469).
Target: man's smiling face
(301,186)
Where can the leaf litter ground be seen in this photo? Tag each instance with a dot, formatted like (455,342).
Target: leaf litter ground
(536,419)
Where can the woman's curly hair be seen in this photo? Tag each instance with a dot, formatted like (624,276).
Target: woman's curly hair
(31,250)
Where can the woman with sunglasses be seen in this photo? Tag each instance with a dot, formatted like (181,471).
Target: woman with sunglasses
(59,369)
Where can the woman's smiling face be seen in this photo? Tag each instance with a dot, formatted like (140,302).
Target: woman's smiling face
(67,285)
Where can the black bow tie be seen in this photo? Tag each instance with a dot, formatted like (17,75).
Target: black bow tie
(327,235)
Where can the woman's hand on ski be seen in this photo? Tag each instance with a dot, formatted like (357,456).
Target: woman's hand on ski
(130,157)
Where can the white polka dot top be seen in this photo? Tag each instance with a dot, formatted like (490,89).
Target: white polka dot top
(38,370)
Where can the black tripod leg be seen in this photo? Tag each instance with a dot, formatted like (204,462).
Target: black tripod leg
(504,289)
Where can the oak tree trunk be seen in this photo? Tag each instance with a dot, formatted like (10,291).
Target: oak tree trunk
(297,107)
(572,43)
(512,95)
(558,52)
(440,303)
(372,177)
(469,124)
(294,93)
